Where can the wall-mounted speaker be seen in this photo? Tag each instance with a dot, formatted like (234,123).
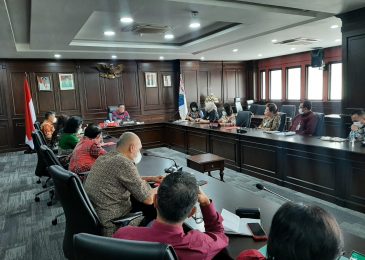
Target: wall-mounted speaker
(317,58)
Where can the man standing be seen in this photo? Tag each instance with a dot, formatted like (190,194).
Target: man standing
(306,122)
(120,114)
(114,178)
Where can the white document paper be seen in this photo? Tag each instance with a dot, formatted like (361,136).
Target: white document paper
(271,132)
(285,133)
(233,224)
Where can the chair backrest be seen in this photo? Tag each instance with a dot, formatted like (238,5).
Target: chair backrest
(91,247)
(41,164)
(37,125)
(282,121)
(237,104)
(253,108)
(289,110)
(79,212)
(320,124)
(111,109)
(260,109)
(243,118)
(49,157)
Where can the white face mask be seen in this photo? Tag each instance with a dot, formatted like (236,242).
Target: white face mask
(138,159)
(55,120)
(224,113)
(194,109)
(79,131)
(300,110)
(358,124)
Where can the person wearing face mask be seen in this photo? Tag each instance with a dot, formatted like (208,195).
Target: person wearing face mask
(70,136)
(194,113)
(211,114)
(47,127)
(228,118)
(358,126)
(114,185)
(87,151)
(305,123)
(271,121)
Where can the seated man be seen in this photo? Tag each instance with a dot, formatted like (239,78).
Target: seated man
(358,127)
(114,178)
(47,127)
(120,114)
(175,201)
(306,122)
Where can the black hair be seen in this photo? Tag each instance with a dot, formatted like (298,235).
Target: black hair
(272,108)
(307,104)
(92,131)
(72,125)
(358,112)
(193,104)
(300,232)
(177,196)
(227,107)
(61,121)
(48,114)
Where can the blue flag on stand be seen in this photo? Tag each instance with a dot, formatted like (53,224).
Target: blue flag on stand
(183,107)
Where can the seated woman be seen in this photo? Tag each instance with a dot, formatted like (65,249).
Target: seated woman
(211,114)
(228,118)
(301,232)
(358,125)
(87,150)
(70,136)
(271,121)
(61,121)
(194,113)
(47,127)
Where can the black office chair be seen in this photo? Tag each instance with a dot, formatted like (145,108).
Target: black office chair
(289,110)
(91,247)
(320,124)
(253,108)
(37,125)
(79,212)
(260,110)
(243,118)
(110,110)
(282,121)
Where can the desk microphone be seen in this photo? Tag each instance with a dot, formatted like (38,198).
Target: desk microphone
(262,187)
(171,169)
(241,130)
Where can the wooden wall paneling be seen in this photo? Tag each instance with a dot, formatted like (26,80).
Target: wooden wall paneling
(113,91)
(203,86)
(93,92)
(210,80)
(68,101)
(234,81)
(197,142)
(230,84)
(5,135)
(190,72)
(169,92)
(226,146)
(175,137)
(131,90)
(44,100)
(355,189)
(16,86)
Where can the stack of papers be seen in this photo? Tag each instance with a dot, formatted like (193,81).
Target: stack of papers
(233,224)
(285,133)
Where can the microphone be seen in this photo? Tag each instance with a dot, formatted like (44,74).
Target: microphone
(262,187)
(171,169)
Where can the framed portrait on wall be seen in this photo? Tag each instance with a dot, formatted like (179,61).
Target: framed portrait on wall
(66,81)
(167,80)
(44,83)
(151,79)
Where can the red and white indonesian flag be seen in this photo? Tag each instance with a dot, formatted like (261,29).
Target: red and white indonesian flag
(183,107)
(29,115)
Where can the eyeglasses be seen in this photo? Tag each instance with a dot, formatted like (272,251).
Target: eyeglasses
(197,219)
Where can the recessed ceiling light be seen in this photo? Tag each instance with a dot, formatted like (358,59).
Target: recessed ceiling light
(235,50)
(337,40)
(292,49)
(169,36)
(109,33)
(57,56)
(334,26)
(274,40)
(162,58)
(260,55)
(194,25)
(126,19)
(202,58)
(114,56)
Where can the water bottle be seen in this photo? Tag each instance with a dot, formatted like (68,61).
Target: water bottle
(352,137)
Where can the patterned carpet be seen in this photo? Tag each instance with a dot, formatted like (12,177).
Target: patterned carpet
(26,231)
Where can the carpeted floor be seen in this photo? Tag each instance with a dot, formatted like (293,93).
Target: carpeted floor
(26,231)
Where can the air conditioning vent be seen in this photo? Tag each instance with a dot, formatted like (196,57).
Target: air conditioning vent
(298,41)
(145,29)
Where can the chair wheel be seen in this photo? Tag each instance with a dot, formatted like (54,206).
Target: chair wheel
(36,199)
(54,222)
(49,203)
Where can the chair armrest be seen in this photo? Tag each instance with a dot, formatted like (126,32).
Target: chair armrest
(124,221)
(83,173)
(61,156)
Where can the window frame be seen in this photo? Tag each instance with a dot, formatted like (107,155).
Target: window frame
(281,89)
(307,81)
(287,82)
(330,82)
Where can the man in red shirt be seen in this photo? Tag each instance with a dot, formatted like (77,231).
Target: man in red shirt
(175,201)
(306,122)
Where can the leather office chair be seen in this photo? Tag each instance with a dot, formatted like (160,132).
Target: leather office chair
(37,125)
(243,118)
(320,124)
(91,247)
(253,108)
(111,109)
(260,110)
(289,110)
(282,122)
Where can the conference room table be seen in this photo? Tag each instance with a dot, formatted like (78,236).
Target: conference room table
(230,198)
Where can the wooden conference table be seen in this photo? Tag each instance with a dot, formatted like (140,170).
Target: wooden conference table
(226,196)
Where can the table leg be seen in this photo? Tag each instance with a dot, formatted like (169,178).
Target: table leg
(221,174)
(209,174)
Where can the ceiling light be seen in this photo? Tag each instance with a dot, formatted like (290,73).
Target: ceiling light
(162,58)
(126,19)
(114,56)
(57,56)
(260,55)
(334,26)
(235,50)
(202,58)
(169,36)
(194,24)
(292,49)
(274,40)
(109,33)
(337,40)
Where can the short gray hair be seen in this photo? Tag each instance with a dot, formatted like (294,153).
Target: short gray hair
(126,139)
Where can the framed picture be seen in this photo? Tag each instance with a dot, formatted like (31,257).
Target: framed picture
(167,80)
(44,83)
(151,79)
(66,81)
